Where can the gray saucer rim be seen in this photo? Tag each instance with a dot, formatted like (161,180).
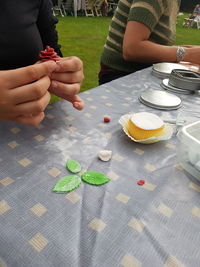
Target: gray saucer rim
(179,66)
(171,88)
(158,107)
(162,92)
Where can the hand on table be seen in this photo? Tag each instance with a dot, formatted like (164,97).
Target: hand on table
(24,93)
(66,80)
(192,54)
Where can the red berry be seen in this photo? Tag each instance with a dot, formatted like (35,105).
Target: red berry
(141,182)
(106,119)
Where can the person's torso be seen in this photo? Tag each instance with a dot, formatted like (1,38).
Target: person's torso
(20,41)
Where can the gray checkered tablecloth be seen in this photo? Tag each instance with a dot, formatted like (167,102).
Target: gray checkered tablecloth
(117,224)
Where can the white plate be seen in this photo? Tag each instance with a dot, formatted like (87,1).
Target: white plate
(160,99)
(165,84)
(167,131)
(167,68)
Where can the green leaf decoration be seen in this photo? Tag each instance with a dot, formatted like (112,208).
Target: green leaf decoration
(73,166)
(67,184)
(95,178)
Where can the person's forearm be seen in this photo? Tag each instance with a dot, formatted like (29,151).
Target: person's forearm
(138,48)
(149,52)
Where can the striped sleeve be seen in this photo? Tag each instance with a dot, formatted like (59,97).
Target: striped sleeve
(147,12)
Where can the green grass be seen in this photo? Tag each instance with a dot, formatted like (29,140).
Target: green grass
(184,35)
(84,37)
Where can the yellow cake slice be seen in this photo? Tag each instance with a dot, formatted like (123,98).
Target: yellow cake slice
(143,125)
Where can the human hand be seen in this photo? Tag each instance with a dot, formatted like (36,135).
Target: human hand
(192,55)
(66,80)
(24,93)
(190,46)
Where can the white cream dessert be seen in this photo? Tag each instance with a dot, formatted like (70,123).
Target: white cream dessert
(143,125)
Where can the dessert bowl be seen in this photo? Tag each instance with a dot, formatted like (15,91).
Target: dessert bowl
(166,132)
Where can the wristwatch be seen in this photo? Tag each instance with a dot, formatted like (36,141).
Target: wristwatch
(180,53)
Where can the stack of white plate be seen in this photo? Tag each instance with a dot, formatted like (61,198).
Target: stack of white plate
(182,81)
(167,86)
(163,70)
(160,99)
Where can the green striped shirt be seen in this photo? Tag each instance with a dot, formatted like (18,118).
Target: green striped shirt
(158,15)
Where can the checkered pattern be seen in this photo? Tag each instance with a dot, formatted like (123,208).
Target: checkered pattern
(113,225)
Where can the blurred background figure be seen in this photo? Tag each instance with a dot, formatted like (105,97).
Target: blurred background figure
(196,12)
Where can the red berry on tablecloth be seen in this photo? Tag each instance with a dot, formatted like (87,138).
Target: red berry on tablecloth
(48,54)
(141,182)
(106,119)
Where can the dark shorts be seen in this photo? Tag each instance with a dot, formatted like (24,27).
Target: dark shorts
(108,74)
